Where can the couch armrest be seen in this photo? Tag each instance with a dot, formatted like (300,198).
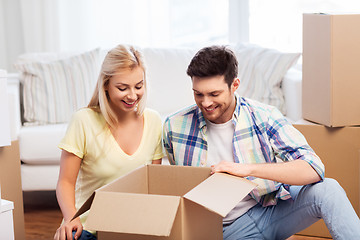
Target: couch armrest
(292,89)
(13,88)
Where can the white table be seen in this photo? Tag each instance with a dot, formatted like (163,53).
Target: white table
(6,220)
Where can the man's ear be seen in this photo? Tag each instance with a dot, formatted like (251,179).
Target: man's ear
(235,85)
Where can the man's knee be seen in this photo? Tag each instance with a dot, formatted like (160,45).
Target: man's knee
(327,188)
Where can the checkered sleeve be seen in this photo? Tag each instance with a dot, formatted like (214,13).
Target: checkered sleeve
(289,144)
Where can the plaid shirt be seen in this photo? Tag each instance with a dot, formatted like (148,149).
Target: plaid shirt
(262,135)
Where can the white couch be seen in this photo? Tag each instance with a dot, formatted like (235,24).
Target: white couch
(169,90)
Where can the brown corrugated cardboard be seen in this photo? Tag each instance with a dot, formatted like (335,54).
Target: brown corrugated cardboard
(165,202)
(10,178)
(331,70)
(339,149)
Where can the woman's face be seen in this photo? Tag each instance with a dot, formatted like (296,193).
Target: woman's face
(125,90)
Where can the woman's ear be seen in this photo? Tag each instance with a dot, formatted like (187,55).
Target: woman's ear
(235,85)
(106,86)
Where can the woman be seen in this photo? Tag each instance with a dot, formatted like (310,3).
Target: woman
(112,136)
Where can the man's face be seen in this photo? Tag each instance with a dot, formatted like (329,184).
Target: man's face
(214,97)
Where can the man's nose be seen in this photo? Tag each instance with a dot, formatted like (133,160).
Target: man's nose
(207,102)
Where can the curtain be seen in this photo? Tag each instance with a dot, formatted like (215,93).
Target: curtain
(11,38)
(81,25)
(86,24)
(40,23)
(75,25)
(27,26)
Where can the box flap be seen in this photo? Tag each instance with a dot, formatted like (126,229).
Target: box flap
(133,213)
(175,180)
(133,182)
(220,192)
(86,206)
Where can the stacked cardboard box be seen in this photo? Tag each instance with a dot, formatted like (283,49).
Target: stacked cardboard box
(331,84)
(331,69)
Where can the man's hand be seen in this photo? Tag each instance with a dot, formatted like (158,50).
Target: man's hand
(237,169)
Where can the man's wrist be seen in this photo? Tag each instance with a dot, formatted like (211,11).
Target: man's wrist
(250,169)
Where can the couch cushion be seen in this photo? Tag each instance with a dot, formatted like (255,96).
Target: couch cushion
(39,178)
(38,144)
(261,71)
(53,90)
(170,88)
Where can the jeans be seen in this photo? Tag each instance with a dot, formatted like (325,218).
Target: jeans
(309,203)
(85,235)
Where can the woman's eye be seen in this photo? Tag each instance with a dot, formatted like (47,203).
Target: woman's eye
(139,87)
(122,89)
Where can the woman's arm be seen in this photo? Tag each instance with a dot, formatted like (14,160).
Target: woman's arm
(167,142)
(297,172)
(65,192)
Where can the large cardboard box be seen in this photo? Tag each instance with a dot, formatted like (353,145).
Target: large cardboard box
(10,178)
(339,149)
(331,69)
(164,202)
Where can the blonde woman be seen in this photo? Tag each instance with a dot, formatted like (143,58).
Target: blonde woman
(112,136)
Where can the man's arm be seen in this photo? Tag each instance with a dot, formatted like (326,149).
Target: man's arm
(297,172)
(300,165)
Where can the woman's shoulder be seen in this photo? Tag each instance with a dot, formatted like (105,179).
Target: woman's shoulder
(152,114)
(88,115)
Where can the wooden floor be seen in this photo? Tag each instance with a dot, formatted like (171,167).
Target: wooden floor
(42,217)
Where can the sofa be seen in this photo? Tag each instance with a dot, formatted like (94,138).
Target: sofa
(48,87)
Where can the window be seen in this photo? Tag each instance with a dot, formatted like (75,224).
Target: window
(200,22)
(86,24)
(278,23)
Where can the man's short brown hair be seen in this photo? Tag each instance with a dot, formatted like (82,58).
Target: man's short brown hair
(214,61)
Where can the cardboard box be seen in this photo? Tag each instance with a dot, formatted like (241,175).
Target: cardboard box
(164,202)
(331,69)
(10,178)
(6,220)
(339,149)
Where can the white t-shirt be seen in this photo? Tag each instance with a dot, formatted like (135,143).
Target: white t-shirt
(220,148)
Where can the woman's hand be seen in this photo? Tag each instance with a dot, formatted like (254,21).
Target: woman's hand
(64,232)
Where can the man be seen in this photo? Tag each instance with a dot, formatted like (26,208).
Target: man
(249,139)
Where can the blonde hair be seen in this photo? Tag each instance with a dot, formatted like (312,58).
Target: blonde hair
(120,58)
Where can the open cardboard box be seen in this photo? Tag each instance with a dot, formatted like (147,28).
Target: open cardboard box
(164,202)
